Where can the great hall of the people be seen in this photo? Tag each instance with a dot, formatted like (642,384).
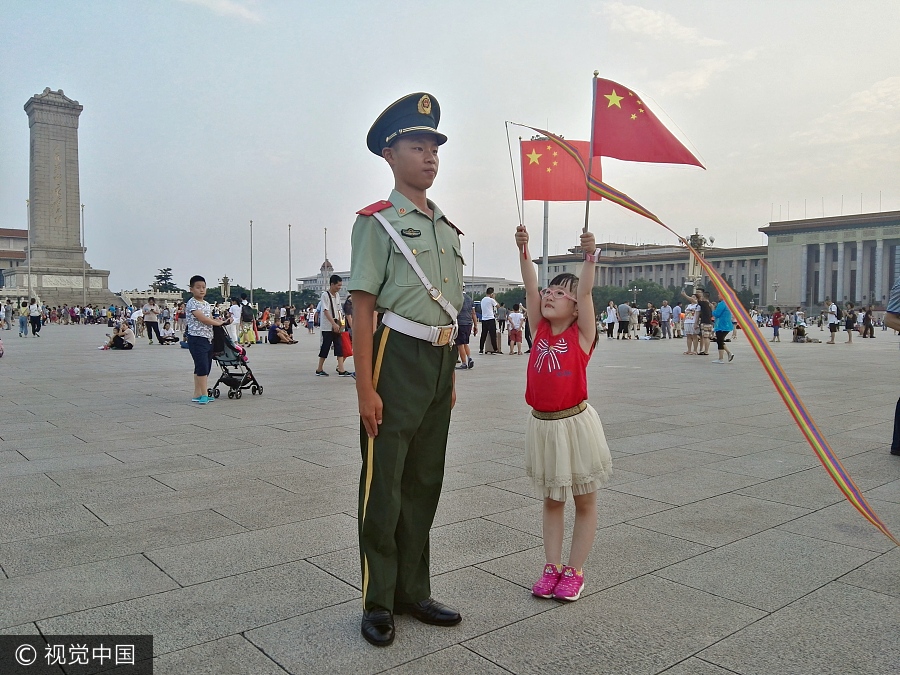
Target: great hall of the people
(852,258)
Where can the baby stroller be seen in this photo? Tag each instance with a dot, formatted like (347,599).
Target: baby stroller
(236,373)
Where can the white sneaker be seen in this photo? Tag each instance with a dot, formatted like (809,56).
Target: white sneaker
(718,361)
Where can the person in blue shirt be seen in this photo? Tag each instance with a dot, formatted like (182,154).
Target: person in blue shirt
(279,336)
(723,326)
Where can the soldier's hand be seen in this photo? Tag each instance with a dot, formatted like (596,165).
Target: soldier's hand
(370,410)
(521,236)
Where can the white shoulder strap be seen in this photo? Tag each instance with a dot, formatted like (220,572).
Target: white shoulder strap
(435,293)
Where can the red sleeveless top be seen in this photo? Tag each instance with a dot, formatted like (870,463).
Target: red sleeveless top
(557,370)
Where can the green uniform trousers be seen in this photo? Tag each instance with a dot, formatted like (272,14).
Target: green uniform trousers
(403,467)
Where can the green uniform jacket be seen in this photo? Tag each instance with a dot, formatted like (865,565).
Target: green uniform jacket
(378,267)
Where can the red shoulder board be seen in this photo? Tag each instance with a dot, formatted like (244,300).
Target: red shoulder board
(372,209)
(458,231)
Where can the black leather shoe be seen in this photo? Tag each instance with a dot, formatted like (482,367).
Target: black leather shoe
(430,611)
(378,627)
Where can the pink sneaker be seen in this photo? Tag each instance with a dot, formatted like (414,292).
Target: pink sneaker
(570,585)
(545,585)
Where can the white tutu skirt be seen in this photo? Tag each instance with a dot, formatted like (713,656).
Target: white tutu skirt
(567,457)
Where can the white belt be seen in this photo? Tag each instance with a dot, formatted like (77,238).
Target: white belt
(439,336)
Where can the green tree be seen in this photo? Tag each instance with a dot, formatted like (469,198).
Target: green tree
(163,282)
(261,297)
(306,297)
(650,291)
(511,297)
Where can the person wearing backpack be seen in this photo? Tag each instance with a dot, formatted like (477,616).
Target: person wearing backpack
(248,314)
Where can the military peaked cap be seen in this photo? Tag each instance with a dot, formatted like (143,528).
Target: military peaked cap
(413,114)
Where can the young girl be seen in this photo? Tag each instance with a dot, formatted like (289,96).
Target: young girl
(168,335)
(565,447)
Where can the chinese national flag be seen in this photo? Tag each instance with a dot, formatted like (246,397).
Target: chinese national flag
(549,174)
(625,128)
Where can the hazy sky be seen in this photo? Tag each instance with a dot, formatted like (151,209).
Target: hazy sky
(200,115)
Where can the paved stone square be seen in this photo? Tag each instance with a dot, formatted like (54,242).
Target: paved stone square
(228,531)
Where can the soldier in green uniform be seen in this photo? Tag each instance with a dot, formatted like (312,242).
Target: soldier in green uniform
(404,368)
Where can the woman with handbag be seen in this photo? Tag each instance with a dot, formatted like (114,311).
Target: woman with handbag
(332,327)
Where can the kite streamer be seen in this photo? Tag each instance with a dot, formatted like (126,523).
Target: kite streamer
(758,342)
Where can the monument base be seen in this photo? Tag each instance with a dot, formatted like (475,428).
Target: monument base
(57,286)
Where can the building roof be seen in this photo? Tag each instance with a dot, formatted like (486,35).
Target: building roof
(738,250)
(12,255)
(9,232)
(832,223)
(668,254)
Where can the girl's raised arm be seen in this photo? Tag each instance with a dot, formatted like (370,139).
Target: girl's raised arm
(529,278)
(587,318)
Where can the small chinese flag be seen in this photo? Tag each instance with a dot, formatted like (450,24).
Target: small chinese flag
(625,128)
(549,174)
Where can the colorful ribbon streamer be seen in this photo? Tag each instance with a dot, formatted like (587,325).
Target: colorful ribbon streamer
(760,345)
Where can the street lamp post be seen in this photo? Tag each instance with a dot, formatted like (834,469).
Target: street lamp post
(251,262)
(290,274)
(635,290)
(775,288)
(83,263)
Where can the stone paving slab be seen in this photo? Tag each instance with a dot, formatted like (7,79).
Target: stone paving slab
(234,655)
(229,530)
(878,575)
(70,589)
(41,521)
(485,601)
(840,523)
(226,556)
(833,631)
(705,522)
(811,488)
(249,491)
(889,492)
(695,666)
(686,485)
(120,471)
(196,614)
(620,553)
(767,570)
(27,556)
(456,659)
(636,627)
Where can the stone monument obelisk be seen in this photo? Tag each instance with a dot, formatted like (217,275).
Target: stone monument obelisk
(59,272)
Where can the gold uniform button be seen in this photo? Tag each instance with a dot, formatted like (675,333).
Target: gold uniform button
(446,280)
(442,250)
(415,252)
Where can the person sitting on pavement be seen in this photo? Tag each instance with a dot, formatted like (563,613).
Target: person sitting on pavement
(277,335)
(168,335)
(122,338)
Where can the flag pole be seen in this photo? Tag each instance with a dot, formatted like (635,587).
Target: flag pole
(587,199)
(545,261)
(512,169)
